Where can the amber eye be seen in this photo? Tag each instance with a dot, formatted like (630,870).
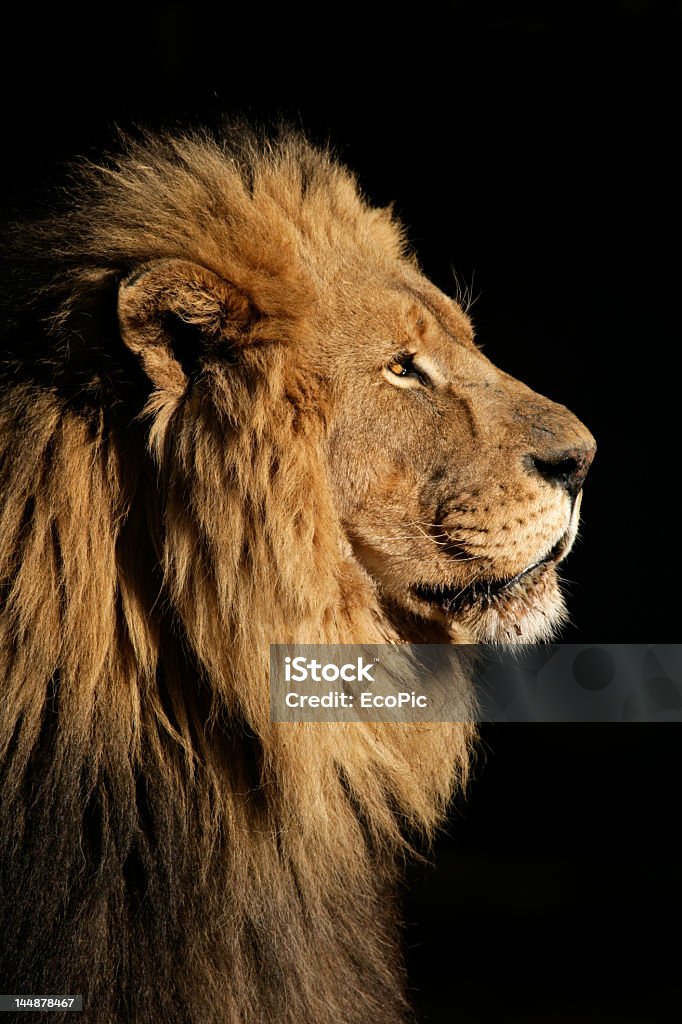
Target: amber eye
(399,369)
(404,367)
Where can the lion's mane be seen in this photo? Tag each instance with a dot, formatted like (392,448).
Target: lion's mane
(164,849)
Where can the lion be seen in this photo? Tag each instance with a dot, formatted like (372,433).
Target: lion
(237,413)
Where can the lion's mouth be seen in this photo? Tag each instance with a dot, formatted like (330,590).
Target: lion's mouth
(485,592)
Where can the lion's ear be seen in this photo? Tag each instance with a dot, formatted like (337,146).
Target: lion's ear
(173,314)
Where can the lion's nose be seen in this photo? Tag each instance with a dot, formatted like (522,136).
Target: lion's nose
(567,468)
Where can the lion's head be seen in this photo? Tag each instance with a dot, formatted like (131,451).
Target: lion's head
(456,488)
(236,413)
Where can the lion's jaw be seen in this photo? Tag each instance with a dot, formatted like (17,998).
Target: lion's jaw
(458,487)
(526,609)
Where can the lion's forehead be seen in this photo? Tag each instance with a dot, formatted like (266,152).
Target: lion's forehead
(376,316)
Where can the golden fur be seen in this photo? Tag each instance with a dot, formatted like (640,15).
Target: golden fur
(207,446)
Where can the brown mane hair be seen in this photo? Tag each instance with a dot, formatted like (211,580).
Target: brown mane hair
(164,849)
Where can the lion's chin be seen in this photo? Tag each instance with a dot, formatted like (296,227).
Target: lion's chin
(530,611)
(526,609)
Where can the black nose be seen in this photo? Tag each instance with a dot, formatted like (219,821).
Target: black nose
(568,468)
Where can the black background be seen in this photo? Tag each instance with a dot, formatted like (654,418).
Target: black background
(531,148)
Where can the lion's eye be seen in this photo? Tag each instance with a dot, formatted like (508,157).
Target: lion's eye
(399,369)
(408,373)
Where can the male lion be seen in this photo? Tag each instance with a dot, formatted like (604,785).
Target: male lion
(236,413)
